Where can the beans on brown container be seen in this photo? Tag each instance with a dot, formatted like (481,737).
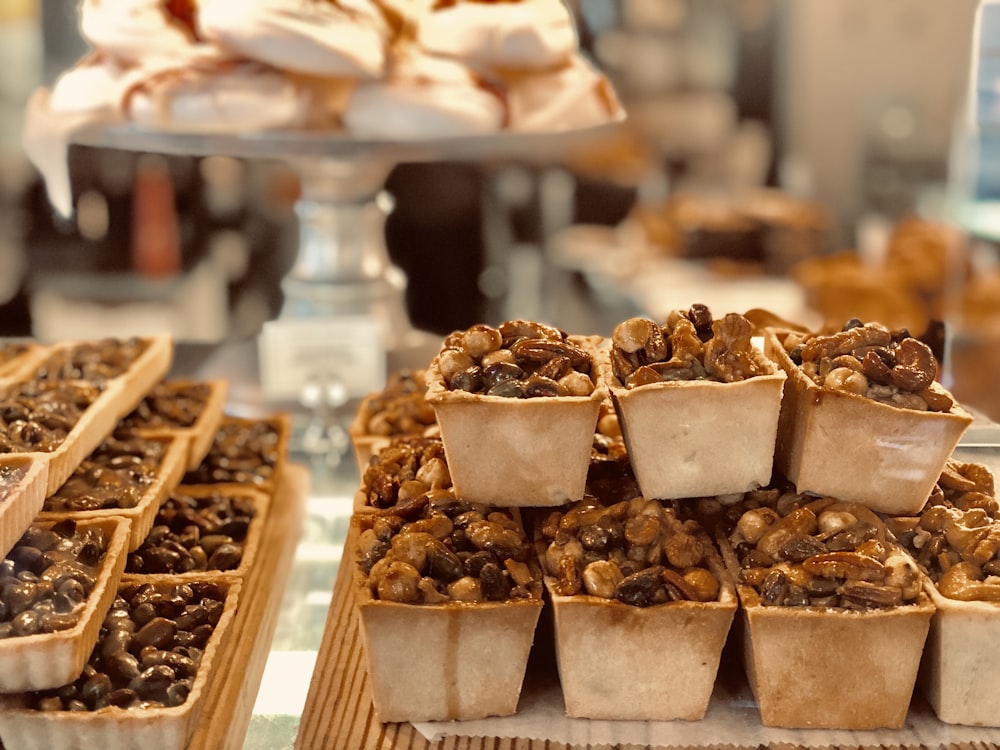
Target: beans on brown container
(48,575)
(195,534)
(149,651)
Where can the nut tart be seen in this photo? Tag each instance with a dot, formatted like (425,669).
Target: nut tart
(665,616)
(127,699)
(250,452)
(398,410)
(407,473)
(834,613)
(22,492)
(448,599)
(518,406)
(127,477)
(74,397)
(202,530)
(876,429)
(698,404)
(192,409)
(956,540)
(48,631)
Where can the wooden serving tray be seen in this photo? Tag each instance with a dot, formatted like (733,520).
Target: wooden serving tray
(233,690)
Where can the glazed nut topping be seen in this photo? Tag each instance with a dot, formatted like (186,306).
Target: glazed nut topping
(37,417)
(449,551)
(956,537)
(149,650)
(169,406)
(408,471)
(689,346)
(244,452)
(517,359)
(636,551)
(114,476)
(46,578)
(11,350)
(92,361)
(869,360)
(195,534)
(803,551)
(401,408)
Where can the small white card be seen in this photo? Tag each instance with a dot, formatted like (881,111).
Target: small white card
(297,352)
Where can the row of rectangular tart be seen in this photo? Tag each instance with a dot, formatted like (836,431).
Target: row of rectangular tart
(809,521)
(132,526)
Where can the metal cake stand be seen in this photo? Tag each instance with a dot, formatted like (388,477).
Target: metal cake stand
(342,270)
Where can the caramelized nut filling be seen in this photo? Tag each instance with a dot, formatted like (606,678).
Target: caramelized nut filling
(38,416)
(244,452)
(691,345)
(195,534)
(92,361)
(46,578)
(10,478)
(169,405)
(401,408)
(798,550)
(116,475)
(869,360)
(636,551)
(405,471)
(150,647)
(448,550)
(955,539)
(517,359)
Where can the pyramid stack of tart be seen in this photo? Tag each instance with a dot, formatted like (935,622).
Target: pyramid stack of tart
(660,490)
(132,510)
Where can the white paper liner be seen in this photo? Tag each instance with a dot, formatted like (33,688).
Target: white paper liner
(732,719)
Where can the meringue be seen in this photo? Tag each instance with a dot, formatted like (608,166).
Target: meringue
(346,39)
(530,34)
(424,97)
(134,30)
(573,96)
(216,98)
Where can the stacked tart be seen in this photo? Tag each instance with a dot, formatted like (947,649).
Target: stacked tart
(132,545)
(670,476)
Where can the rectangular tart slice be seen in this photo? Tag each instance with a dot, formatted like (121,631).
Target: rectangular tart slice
(48,631)
(120,701)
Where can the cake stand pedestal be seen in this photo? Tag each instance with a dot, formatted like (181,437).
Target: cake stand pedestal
(344,324)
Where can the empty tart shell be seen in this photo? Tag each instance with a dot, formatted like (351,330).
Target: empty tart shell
(153,728)
(48,660)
